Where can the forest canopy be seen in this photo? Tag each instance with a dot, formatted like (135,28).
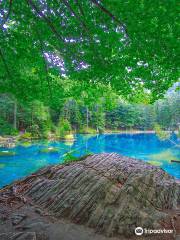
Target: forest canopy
(128,46)
(83,66)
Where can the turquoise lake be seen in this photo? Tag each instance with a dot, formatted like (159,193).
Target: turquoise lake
(146,147)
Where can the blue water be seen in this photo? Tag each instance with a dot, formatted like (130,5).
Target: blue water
(146,147)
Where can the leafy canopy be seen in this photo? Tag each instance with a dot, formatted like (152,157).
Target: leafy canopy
(130,46)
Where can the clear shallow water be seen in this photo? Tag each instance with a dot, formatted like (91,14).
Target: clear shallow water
(146,147)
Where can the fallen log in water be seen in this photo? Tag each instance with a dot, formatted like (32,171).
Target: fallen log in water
(176,161)
(109,193)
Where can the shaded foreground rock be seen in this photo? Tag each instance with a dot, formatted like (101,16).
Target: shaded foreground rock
(109,193)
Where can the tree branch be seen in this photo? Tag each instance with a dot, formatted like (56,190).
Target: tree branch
(80,7)
(75,14)
(49,23)
(8,14)
(53,29)
(106,11)
(45,63)
(85,28)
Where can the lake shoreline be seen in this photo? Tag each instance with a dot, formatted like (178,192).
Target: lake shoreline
(13,139)
(129,132)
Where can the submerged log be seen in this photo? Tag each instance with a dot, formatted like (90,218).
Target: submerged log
(110,193)
(176,161)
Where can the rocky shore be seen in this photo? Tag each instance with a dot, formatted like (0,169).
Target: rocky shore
(8,142)
(105,196)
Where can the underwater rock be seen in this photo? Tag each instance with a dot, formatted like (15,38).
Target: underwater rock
(25,144)
(2,165)
(155,163)
(7,153)
(49,150)
(69,143)
(109,193)
(68,137)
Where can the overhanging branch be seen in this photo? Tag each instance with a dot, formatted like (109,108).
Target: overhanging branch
(8,14)
(106,11)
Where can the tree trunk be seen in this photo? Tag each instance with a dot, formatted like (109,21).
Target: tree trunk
(87,117)
(15,115)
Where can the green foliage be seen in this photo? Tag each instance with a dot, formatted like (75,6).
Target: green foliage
(69,137)
(127,116)
(86,130)
(69,158)
(63,128)
(98,118)
(168,111)
(162,135)
(25,143)
(73,117)
(34,130)
(131,46)
(41,119)
(117,50)
(71,112)
(7,129)
(26,135)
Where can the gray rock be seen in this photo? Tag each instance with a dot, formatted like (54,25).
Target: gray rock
(35,226)
(18,218)
(18,236)
(110,193)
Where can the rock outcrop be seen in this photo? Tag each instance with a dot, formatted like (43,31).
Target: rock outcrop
(7,142)
(109,193)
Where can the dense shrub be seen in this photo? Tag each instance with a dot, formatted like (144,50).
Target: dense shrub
(26,135)
(34,130)
(63,128)
(88,130)
(6,128)
(162,135)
